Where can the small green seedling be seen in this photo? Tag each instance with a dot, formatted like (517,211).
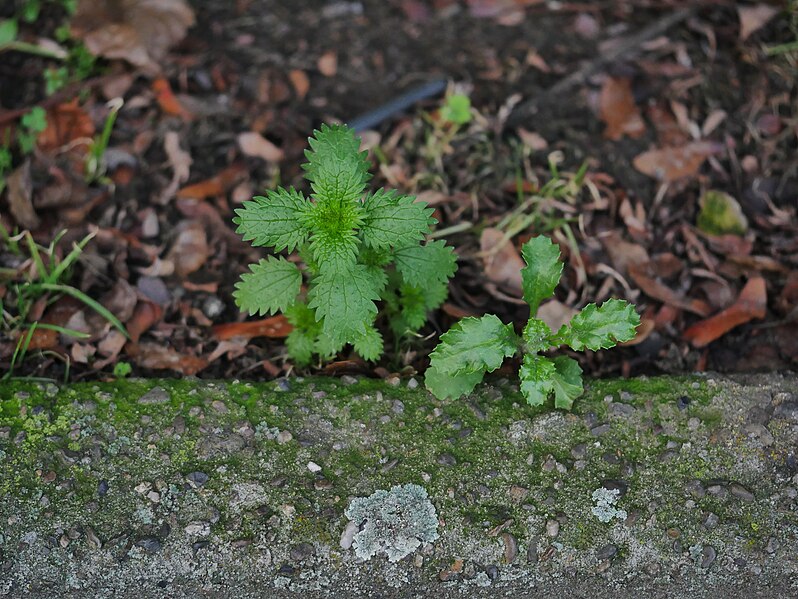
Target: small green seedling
(357,248)
(475,346)
(457,109)
(31,124)
(122,369)
(45,275)
(95,160)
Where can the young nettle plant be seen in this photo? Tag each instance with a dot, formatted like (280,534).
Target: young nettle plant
(475,346)
(357,248)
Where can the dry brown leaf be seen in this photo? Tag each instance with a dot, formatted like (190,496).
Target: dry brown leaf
(254,144)
(502,264)
(20,192)
(300,81)
(168,101)
(751,303)
(328,63)
(623,253)
(145,315)
(534,140)
(160,357)
(555,314)
(643,278)
(619,111)
(274,327)
(138,31)
(753,18)
(190,250)
(216,185)
(673,163)
(66,124)
(180,161)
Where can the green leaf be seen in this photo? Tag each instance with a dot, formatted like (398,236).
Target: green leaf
(8,31)
(272,285)
(443,386)
(35,120)
(567,382)
(422,264)
(273,220)
(300,346)
(336,168)
(536,336)
(332,257)
(597,328)
(474,345)
(536,374)
(457,109)
(542,272)
(369,344)
(721,214)
(391,220)
(345,302)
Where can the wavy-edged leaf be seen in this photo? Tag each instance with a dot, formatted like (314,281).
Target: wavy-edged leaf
(474,345)
(567,382)
(369,344)
(345,302)
(336,167)
(300,346)
(540,276)
(393,220)
(271,285)
(422,264)
(537,378)
(600,327)
(444,386)
(536,336)
(273,219)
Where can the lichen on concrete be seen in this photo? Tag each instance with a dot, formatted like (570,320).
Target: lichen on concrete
(235,489)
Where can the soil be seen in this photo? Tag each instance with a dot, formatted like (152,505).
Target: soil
(237,71)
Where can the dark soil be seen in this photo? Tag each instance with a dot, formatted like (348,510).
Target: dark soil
(234,73)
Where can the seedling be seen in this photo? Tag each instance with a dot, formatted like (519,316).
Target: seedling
(357,248)
(95,160)
(44,275)
(475,346)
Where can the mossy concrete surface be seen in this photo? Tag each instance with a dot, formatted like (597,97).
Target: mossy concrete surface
(662,487)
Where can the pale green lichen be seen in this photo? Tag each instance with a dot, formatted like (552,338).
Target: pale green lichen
(605,509)
(394,522)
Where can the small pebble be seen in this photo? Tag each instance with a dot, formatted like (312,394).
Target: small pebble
(740,492)
(348,379)
(708,555)
(412,383)
(314,467)
(552,528)
(607,552)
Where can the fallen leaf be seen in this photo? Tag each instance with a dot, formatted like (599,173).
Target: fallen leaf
(274,327)
(161,357)
(20,191)
(622,253)
(138,31)
(300,81)
(217,185)
(555,314)
(720,214)
(231,349)
(750,304)
(144,316)
(168,101)
(254,144)
(653,288)
(535,141)
(753,18)
(180,161)
(120,300)
(619,111)
(67,124)
(502,264)
(190,249)
(673,163)
(111,344)
(328,63)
